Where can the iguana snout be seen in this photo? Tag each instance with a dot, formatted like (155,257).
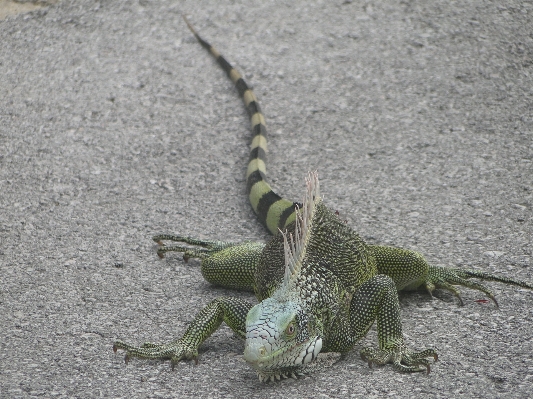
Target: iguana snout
(278,342)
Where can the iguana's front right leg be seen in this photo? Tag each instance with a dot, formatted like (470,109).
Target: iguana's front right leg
(225,264)
(231,310)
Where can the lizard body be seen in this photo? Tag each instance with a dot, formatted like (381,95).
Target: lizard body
(320,287)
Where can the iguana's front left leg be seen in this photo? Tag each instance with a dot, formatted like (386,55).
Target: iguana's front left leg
(226,264)
(231,310)
(377,300)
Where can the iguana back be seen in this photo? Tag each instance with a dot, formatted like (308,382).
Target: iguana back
(335,247)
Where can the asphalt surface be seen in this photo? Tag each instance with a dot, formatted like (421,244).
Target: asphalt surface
(115,125)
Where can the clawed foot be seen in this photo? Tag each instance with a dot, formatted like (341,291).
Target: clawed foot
(175,351)
(402,358)
(200,249)
(443,278)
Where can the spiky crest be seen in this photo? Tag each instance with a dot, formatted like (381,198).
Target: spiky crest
(295,246)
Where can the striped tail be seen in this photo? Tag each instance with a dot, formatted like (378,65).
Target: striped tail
(272,210)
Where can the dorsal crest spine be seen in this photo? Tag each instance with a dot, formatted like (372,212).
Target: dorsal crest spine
(295,246)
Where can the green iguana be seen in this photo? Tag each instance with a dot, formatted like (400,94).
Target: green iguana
(320,286)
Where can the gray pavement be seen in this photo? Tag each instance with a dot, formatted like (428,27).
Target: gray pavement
(115,125)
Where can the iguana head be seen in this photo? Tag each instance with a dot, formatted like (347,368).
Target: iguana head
(281,331)
(280,339)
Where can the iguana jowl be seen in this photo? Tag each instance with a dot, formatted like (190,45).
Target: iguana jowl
(320,286)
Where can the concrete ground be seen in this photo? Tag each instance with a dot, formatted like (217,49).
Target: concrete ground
(115,125)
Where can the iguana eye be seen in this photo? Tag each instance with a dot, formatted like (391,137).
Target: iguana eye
(291,328)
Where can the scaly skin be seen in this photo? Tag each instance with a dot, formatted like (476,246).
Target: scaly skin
(320,287)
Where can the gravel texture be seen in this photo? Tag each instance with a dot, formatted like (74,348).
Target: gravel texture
(115,125)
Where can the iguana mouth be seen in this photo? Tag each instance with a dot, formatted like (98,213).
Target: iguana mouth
(285,362)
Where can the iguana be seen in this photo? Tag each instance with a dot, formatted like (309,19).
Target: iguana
(320,287)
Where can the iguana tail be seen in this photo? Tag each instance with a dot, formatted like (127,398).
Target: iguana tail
(272,210)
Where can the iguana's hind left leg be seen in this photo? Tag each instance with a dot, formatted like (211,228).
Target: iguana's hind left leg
(410,271)
(446,278)
(225,264)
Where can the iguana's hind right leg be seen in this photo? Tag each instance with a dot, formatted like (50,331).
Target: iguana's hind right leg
(200,249)
(225,264)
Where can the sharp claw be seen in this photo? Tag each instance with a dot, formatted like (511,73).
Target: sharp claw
(115,348)
(172,365)
(370,363)
(495,301)
(428,369)
(436,356)
(160,254)
(196,361)
(185,258)
(126,359)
